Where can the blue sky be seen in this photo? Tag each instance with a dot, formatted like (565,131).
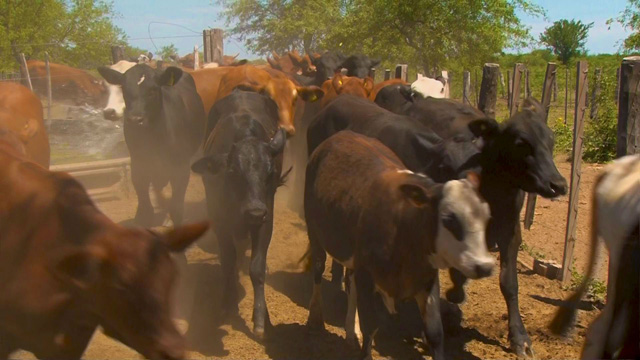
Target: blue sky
(139,16)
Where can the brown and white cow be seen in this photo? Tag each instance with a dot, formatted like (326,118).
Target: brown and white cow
(66,268)
(21,112)
(392,228)
(616,219)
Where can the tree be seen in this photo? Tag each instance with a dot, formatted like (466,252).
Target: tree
(566,38)
(74,32)
(429,33)
(630,19)
(167,52)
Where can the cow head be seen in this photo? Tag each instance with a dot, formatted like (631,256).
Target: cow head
(428,87)
(327,65)
(285,94)
(352,85)
(252,171)
(115,103)
(396,97)
(126,279)
(521,148)
(359,65)
(462,218)
(142,90)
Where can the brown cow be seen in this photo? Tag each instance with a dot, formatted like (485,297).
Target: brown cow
(292,63)
(21,112)
(65,268)
(281,90)
(67,83)
(207,84)
(341,84)
(379,86)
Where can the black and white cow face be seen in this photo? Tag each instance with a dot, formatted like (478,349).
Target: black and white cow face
(359,65)
(251,170)
(522,147)
(142,90)
(463,216)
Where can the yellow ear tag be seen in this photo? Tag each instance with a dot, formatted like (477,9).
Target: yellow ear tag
(313,98)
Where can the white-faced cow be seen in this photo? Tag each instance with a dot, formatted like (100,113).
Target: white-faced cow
(515,156)
(428,87)
(115,103)
(616,219)
(241,170)
(392,228)
(163,127)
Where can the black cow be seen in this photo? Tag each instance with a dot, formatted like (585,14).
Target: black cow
(396,98)
(419,148)
(241,170)
(326,65)
(516,156)
(359,65)
(392,228)
(163,123)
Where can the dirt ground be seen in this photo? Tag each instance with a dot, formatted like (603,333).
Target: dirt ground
(477,329)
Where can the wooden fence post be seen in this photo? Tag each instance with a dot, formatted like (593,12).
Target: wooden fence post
(117,53)
(466,87)
(447,90)
(547,89)
(372,74)
(502,84)
(489,90)
(617,98)
(196,58)
(476,90)
(555,89)
(401,71)
(387,74)
(629,107)
(344,71)
(49,95)
(518,69)
(566,93)
(26,70)
(527,87)
(596,93)
(582,90)
(509,89)
(213,45)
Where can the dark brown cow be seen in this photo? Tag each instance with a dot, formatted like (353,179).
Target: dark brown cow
(21,112)
(65,268)
(292,63)
(379,86)
(341,84)
(392,228)
(67,83)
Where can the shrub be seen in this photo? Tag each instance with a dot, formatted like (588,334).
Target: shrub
(563,136)
(601,132)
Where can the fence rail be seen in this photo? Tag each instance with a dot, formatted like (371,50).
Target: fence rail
(87,172)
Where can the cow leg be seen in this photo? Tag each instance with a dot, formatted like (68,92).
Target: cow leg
(429,305)
(352,323)
(229,272)
(141,182)
(179,182)
(518,337)
(337,273)
(315,322)
(456,294)
(365,289)
(260,239)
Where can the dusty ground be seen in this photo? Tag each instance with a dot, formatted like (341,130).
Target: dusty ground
(478,329)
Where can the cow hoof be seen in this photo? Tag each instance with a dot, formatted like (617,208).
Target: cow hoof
(455,295)
(525,351)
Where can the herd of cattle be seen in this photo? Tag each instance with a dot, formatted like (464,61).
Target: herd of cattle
(393,180)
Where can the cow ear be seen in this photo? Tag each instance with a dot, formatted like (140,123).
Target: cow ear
(276,145)
(211,164)
(337,82)
(406,92)
(240,62)
(178,239)
(368,84)
(113,77)
(310,93)
(29,130)
(80,268)
(416,194)
(169,76)
(486,129)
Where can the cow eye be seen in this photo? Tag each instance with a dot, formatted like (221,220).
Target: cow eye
(450,222)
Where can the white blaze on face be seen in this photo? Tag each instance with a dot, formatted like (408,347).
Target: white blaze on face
(116,100)
(428,87)
(462,223)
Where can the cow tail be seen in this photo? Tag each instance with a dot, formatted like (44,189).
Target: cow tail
(565,318)
(306,259)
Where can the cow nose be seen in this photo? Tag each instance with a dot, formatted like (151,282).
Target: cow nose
(136,119)
(256,216)
(109,114)
(484,270)
(558,187)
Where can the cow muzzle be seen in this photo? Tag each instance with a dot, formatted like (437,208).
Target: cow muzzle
(110,114)
(137,120)
(256,216)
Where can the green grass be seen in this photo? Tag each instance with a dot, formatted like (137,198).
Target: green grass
(532,251)
(596,289)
